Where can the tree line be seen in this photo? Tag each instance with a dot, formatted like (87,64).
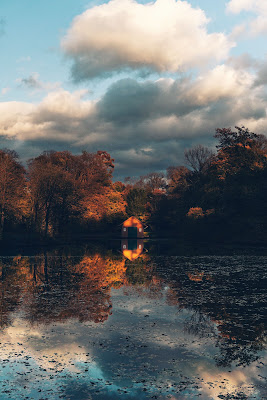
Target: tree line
(58,193)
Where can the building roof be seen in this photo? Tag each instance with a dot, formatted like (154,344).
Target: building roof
(132,221)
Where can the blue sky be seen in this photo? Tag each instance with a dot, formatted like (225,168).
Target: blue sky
(198,64)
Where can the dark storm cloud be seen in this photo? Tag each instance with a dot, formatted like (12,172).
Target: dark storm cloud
(145,126)
(245,62)
(261,78)
(102,64)
(129,101)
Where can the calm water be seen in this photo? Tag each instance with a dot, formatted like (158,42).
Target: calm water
(89,323)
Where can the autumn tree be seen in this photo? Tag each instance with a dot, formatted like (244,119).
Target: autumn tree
(101,199)
(178,179)
(53,189)
(242,137)
(66,187)
(239,150)
(12,187)
(94,170)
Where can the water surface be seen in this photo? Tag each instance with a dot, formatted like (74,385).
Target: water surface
(88,323)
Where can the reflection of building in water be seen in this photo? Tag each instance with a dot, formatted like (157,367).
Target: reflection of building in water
(199,276)
(132,228)
(132,248)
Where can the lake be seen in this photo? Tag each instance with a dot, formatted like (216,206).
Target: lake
(105,321)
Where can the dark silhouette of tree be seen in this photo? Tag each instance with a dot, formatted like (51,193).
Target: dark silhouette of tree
(54,192)
(228,138)
(136,202)
(152,182)
(12,187)
(199,158)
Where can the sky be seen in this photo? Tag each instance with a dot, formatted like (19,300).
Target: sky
(142,80)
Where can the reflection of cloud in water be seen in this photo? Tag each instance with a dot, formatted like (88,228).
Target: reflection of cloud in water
(217,382)
(153,340)
(140,347)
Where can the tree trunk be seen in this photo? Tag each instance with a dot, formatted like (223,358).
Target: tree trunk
(47,219)
(2,225)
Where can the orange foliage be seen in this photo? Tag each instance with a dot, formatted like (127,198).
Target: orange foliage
(195,213)
(105,204)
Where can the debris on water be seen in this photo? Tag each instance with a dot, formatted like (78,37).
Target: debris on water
(180,326)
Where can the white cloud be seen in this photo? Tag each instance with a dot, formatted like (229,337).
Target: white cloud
(165,35)
(238,32)
(221,82)
(56,117)
(259,7)
(236,6)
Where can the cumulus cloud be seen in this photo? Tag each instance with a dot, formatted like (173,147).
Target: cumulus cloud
(165,116)
(261,77)
(25,121)
(236,6)
(129,101)
(259,7)
(243,62)
(166,35)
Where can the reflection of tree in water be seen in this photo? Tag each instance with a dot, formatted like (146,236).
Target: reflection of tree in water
(56,287)
(140,274)
(139,271)
(232,296)
(12,280)
(74,288)
(242,352)
(199,324)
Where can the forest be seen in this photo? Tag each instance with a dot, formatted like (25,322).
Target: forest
(215,196)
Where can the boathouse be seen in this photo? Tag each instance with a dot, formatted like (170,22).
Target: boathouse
(132,248)
(132,228)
